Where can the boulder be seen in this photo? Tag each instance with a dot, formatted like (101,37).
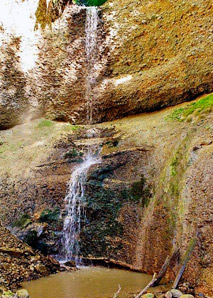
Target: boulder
(168,294)
(41,269)
(176,293)
(22,294)
(70,264)
(148,295)
(187,296)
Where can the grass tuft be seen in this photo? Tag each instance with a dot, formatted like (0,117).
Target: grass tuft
(45,123)
(203,105)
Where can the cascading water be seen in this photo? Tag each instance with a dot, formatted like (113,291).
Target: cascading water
(91,56)
(76,190)
(73,201)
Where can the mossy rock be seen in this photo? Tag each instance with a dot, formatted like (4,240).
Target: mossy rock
(22,294)
(50,216)
(24,221)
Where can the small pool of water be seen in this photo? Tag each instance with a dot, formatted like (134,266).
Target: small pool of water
(88,282)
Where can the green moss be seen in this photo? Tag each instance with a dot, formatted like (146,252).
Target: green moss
(72,154)
(203,105)
(31,238)
(185,259)
(8,294)
(140,193)
(22,222)
(174,165)
(89,2)
(45,123)
(3,148)
(50,216)
(75,127)
(103,206)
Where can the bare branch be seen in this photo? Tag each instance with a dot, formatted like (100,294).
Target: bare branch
(147,287)
(117,293)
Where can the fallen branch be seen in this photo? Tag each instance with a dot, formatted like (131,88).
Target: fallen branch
(165,266)
(117,293)
(147,287)
(185,262)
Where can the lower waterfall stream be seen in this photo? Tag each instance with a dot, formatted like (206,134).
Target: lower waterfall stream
(74,209)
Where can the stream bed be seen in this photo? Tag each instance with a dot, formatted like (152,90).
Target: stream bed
(88,282)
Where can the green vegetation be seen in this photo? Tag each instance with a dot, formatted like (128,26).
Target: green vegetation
(140,193)
(89,2)
(185,259)
(72,154)
(22,222)
(45,123)
(103,206)
(203,105)
(75,127)
(50,216)
(31,238)
(8,294)
(174,165)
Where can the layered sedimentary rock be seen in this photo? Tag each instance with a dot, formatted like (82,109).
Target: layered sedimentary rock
(20,262)
(151,192)
(151,55)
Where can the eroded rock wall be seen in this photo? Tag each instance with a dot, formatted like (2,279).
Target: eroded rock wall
(19,262)
(150,55)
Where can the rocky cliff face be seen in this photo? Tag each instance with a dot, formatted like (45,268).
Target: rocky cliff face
(151,55)
(151,192)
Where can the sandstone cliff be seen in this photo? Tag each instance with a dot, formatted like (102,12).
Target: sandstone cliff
(151,55)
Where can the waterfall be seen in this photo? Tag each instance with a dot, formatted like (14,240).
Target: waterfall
(91,30)
(73,201)
(76,189)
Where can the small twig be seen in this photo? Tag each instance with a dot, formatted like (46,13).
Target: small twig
(117,293)
(148,286)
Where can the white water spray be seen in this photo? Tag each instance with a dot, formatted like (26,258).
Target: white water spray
(76,190)
(91,57)
(74,200)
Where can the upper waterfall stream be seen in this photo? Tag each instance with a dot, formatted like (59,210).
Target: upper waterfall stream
(91,31)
